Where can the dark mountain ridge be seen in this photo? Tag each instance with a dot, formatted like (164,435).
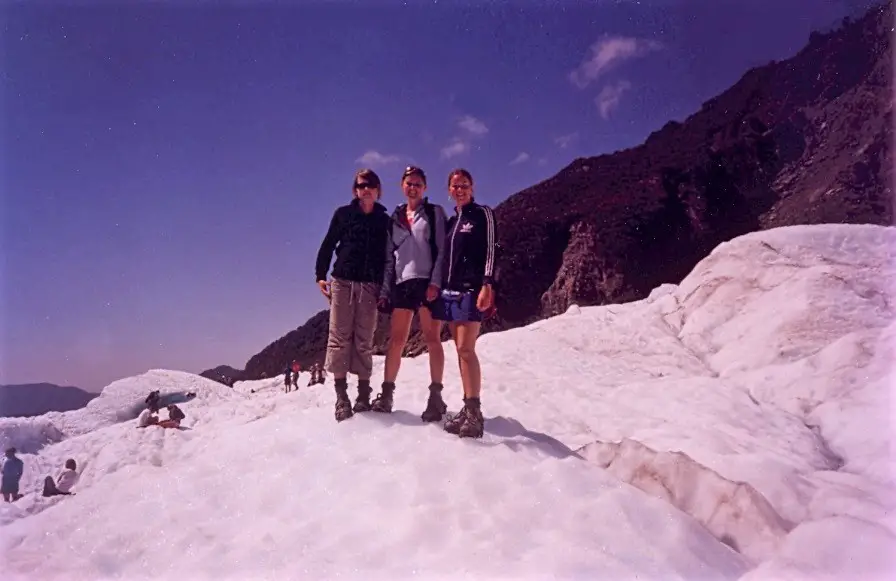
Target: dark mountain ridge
(35,399)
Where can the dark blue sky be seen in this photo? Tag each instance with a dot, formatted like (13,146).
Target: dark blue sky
(168,172)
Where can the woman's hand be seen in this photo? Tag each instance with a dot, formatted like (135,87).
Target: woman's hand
(432,291)
(486,298)
(324,288)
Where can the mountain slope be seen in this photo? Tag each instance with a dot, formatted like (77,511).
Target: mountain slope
(805,140)
(34,399)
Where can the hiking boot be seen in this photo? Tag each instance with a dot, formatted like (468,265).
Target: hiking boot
(474,424)
(362,404)
(435,406)
(453,424)
(383,401)
(343,403)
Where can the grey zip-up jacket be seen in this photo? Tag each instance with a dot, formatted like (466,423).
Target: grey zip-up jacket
(415,250)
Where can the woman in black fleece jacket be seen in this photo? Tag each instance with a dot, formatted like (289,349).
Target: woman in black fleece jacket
(358,235)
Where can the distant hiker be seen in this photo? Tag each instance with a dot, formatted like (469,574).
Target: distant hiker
(175,415)
(358,235)
(317,374)
(411,282)
(13,468)
(321,374)
(296,370)
(287,379)
(153,399)
(148,417)
(64,482)
(467,295)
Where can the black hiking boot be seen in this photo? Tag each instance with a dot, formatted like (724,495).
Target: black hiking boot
(343,403)
(474,424)
(362,404)
(453,424)
(383,401)
(435,406)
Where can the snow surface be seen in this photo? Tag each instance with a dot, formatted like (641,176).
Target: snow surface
(735,426)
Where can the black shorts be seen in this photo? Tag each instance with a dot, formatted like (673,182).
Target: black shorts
(411,294)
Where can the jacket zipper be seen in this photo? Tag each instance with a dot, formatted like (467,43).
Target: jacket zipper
(451,248)
(367,251)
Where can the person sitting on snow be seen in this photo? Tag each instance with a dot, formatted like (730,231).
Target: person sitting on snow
(148,417)
(64,482)
(175,415)
(13,468)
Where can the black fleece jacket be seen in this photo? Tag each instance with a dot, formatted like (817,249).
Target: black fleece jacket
(359,241)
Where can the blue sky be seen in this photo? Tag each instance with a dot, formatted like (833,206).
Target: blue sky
(169,171)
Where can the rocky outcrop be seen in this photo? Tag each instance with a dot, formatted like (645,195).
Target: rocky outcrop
(224,374)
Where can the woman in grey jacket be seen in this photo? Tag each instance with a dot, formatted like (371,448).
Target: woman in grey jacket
(412,279)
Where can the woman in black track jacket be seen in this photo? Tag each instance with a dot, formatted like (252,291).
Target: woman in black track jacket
(467,293)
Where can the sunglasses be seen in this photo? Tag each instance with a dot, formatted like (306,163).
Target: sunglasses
(366,186)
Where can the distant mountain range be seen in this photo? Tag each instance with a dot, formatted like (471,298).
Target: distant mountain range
(803,141)
(34,399)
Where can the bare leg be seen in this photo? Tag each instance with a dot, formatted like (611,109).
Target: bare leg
(465,335)
(432,335)
(398,337)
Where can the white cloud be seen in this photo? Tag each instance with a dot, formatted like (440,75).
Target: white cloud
(610,96)
(454,149)
(473,126)
(565,141)
(522,157)
(607,53)
(373,158)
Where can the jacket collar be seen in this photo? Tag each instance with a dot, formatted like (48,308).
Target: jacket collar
(401,208)
(377,207)
(466,209)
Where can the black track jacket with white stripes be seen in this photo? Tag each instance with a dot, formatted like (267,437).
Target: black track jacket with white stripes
(470,248)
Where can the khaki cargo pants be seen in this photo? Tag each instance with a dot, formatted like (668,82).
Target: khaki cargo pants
(353,317)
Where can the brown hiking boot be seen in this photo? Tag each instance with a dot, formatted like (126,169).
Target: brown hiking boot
(383,401)
(435,406)
(453,424)
(362,404)
(474,424)
(343,403)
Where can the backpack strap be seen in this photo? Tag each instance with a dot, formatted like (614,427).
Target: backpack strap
(431,218)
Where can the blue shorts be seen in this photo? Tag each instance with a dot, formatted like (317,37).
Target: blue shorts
(456,306)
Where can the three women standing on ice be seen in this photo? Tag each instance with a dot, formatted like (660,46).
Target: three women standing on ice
(441,270)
